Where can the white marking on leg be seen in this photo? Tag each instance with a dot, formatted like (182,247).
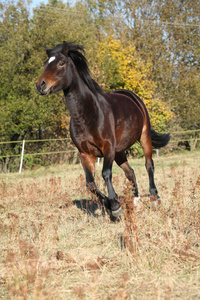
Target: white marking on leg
(136,201)
(52,59)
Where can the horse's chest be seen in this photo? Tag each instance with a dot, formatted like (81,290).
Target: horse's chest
(85,142)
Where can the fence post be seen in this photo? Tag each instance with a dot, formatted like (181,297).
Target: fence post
(21,163)
(98,161)
(157,152)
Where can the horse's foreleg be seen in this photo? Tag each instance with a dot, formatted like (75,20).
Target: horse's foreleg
(88,163)
(112,196)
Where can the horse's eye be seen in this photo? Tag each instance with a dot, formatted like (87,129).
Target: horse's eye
(61,63)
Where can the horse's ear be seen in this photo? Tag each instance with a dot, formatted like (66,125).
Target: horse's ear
(47,51)
(65,48)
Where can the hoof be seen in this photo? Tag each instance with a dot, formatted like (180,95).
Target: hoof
(117,213)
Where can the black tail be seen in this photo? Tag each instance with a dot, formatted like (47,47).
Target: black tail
(159,140)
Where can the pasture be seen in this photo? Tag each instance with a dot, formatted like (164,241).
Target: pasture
(52,251)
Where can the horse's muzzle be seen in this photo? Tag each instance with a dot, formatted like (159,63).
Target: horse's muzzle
(42,88)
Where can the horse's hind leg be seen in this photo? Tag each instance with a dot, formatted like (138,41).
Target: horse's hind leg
(88,163)
(122,162)
(147,148)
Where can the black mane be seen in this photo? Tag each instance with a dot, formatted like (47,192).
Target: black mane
(72,50)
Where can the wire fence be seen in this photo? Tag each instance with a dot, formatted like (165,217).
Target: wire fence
(188,138)
(35,141)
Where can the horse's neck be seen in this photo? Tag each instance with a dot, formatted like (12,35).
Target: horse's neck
(81,102)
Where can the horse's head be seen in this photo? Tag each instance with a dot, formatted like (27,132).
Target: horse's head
(57,73)
(63,61)
(53,78)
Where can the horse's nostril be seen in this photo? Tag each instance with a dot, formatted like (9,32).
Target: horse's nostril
(43,84)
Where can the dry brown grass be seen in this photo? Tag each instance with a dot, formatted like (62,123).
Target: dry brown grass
(48,252)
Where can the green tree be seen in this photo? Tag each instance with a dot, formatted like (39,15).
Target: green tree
(23,37)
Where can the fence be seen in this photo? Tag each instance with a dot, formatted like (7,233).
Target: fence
(20,147)
(191,137)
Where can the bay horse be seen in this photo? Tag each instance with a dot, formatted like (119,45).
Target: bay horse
(102,124)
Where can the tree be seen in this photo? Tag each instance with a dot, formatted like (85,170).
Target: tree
(23,37)
(23,113)
(166,33)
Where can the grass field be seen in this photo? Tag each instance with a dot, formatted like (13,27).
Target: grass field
(52,251)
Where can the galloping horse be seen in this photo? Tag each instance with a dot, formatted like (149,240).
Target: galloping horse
(102,124)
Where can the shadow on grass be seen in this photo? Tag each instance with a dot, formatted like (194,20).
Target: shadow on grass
(91,207)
